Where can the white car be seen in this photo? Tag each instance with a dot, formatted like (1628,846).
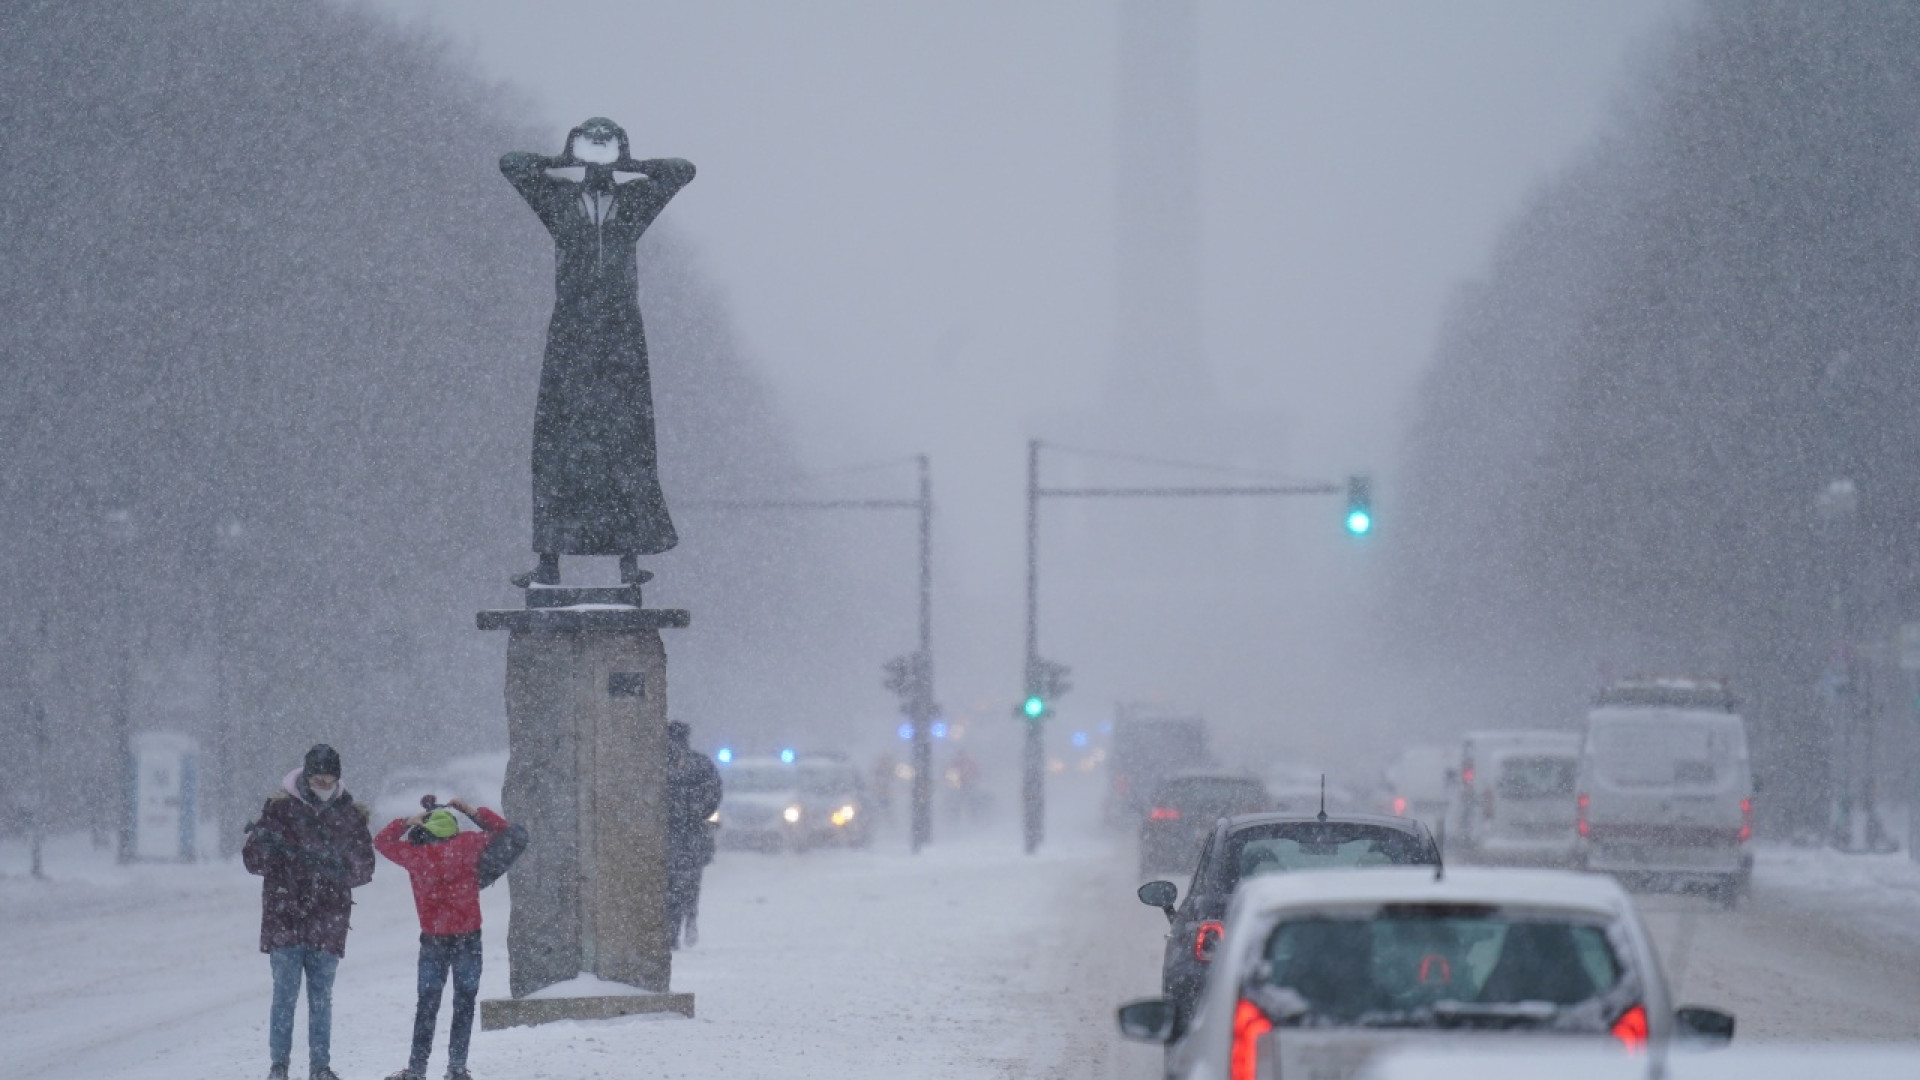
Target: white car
(1320,972)
(1665,792)
(760,805)
(1516,804)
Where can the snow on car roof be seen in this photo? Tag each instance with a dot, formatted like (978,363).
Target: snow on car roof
(1593,893)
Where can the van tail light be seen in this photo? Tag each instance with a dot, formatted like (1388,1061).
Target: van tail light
(1163,813)
(1206,938)
(1746,820)
(1631,1028)
(1399,805)
(1249,1024)
(1580,814)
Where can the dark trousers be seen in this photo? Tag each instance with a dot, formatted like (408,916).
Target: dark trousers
(683,898)
(439,954)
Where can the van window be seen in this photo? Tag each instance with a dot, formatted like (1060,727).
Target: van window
(1540,777)
(1662,753)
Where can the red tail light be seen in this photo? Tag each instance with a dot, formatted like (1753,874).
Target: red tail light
(1466,776)
(1206,937)
(1631,1028)
(1163,813)
(1580,814)
(1249,1024)
(1746,820)
(1399,805)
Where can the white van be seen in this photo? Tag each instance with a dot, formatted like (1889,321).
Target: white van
(1665,791)
(1515,803)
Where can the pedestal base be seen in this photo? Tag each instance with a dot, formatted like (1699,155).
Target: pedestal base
(499,1013)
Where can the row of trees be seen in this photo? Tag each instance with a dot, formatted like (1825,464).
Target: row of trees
(1617,457)
(271,326)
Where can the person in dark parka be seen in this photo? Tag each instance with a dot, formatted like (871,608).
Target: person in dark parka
(693,794)
(596,481)
(312,846)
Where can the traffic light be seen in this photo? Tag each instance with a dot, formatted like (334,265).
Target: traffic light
(1359,505)
(1046,681)
(1035,707)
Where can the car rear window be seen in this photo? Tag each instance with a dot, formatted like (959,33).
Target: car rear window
(1317,845)
(1537,777)
(1662,753)
(1211,791)
(1412,966)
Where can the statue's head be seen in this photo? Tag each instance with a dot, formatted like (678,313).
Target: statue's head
(598,141)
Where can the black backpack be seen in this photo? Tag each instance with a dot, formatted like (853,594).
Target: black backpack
(503,848)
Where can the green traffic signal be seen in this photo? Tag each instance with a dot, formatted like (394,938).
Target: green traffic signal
(1359,505)
(1034,707)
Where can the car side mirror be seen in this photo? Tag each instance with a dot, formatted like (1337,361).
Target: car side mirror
(1697,1024)
(1160,894)
(1150,1020)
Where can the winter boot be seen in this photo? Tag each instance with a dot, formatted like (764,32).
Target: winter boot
(405,1074)
(458,1074)
(324,1072)
(276,1072)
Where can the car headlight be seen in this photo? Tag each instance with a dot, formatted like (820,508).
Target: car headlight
(842,815)
(791,813)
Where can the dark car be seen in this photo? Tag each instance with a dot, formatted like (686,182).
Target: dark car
(1253,844)
(1180,816)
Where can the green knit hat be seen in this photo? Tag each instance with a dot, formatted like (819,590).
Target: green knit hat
(441,823)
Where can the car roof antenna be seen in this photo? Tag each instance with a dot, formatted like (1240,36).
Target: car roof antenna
(1323,797)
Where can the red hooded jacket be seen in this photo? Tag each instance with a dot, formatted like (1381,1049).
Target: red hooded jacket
(445,873)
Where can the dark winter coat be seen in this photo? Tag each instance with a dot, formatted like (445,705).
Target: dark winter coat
(693,794)
(312,854)
(596,481)
(445,873)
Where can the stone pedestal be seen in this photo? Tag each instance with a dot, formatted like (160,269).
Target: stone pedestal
(586,725)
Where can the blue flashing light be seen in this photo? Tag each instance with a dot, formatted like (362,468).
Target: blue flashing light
(786,756)
(1359,522)
(939,729)
(1079,738)
(905,731)
(725,754)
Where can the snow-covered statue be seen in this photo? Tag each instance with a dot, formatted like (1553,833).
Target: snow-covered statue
(596,481)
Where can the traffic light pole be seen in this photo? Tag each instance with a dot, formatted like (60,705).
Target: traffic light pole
(1033,787)
(1042,677)
(916,681)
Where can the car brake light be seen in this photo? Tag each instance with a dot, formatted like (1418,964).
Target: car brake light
(1746,820)
(1164,813)
(1631,1028)
(1399,805)
(1580,814)
(1249,1024)
(1206,937)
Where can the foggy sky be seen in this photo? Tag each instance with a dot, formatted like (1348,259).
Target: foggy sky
(911,210)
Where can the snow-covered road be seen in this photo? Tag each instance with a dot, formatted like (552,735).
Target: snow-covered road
(967,961)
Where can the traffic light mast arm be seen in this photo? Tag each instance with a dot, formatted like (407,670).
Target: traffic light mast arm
(1184,492)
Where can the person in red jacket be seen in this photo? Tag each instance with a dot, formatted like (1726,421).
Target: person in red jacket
(444,865)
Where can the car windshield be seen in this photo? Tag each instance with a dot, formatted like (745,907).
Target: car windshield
(1453,966)
(1543,776)
(748,780)
(1316,845)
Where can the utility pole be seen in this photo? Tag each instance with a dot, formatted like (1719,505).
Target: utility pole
(911,675)
(1047,680)
(1033,787)
(922,707)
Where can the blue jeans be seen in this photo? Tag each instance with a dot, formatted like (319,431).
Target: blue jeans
(439,954)
(288,965)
